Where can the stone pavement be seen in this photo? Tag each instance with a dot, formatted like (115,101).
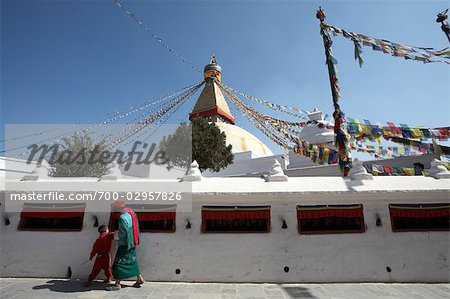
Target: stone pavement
(30,288)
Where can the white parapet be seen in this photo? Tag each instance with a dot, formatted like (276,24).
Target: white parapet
(113,174)
(438,170)
(193,173)
(40,172)
(276,174)
(359,172)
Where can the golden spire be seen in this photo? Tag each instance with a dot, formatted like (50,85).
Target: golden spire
(211,103)
(213,70)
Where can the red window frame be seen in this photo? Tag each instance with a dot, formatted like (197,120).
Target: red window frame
(51,211)
(430,210)
(234,213)
(327,211)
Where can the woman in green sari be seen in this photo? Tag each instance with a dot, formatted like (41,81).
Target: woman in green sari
(125,264)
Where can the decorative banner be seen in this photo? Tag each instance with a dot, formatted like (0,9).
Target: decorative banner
(426,55)
(422,147)
(382,170)
(379,151)
(369,131)
(156,37)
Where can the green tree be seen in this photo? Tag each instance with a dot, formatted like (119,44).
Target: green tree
(176,148)
(209,146)
(79,156)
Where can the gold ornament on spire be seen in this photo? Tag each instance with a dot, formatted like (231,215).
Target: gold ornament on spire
(212,70)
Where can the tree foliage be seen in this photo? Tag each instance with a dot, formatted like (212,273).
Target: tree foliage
(80,157)
(209,146)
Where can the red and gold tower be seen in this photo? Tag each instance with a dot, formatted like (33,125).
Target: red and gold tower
(212,104)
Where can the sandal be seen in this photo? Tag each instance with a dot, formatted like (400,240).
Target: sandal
(137,285)
(140,281)
(113,288)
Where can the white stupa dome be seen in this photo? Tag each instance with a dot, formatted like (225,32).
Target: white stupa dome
(243,141)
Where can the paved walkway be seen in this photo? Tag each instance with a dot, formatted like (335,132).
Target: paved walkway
(62,288)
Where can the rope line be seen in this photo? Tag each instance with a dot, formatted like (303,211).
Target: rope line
(155,36)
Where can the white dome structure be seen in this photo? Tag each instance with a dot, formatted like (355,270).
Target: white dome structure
(243,141)
(317,133)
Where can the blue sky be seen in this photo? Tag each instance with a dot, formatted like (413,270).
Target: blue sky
(71,61)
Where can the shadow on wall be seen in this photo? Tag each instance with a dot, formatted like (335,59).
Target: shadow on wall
(298,292)
(352,184)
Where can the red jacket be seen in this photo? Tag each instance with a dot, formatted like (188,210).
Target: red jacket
(102,244)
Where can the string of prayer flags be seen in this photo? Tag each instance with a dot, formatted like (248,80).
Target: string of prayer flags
(358,51)
(121,114)
(150,132)
(342,138)
(382,170)
(109,118)
(380,151)
(367,130)
(425,55)
(146,104)
(420,146)
(156,37)
(280,122)
(255,118)
(318,153)
(300,113)
(131,130)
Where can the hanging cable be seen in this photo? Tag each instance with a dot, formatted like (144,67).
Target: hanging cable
(155,36)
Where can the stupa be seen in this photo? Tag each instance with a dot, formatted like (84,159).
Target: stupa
(212,105)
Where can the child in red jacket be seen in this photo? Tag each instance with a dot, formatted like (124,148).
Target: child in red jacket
(101,248)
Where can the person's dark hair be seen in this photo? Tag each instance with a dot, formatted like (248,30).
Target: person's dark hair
(102,228)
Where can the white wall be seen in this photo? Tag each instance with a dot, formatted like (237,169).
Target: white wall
(249,166)
(413,256)
(15,168)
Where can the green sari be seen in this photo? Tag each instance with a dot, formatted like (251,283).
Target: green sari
(125,263)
